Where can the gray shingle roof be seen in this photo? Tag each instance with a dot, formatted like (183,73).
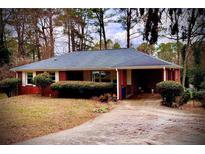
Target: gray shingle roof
(96,60)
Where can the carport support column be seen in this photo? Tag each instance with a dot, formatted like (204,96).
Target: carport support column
(118,85)
(164,74)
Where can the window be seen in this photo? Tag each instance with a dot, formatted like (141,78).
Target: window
(105,76)
(52,76)
(101,76)
(29,77)
(96,76)
(75,75)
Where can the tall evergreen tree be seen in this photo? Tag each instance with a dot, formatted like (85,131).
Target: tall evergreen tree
(128,18)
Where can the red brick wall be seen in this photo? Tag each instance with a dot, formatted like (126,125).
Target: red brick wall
(167,74)
(62,76)
(120,84)
(173,74)
(19,75)
(124,78)
(177,75)
(39,72)
(122,81)
(30,89)
(87,76)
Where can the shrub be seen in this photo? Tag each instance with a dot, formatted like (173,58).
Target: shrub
(42,80)
(9,85)
(4,56)
(106,98)
(169,90)
(186,96)
(103,98)
(202,85)
(83,89)
(5,72)
(102,109)
(199,96)
(196,77)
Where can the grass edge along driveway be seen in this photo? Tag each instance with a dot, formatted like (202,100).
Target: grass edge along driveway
(27,116)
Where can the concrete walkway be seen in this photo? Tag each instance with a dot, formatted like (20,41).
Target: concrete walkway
(134,122)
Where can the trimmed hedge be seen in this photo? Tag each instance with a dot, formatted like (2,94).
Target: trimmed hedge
(9,86)
(83,89)
(42,80)
(169,90)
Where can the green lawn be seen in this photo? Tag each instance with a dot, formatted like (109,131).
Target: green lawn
(27,116)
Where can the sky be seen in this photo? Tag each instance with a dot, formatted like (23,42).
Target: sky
(114,31)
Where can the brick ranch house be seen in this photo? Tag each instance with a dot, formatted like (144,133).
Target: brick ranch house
(131,70)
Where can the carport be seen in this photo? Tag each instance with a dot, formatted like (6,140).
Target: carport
(143,80)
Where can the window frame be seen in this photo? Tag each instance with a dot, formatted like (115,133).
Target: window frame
(27,78)
(105,75)
(100,78)
(51,76)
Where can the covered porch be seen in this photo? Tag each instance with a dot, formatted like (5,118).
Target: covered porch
(143,80)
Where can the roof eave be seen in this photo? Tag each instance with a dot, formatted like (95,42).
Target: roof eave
(100,68)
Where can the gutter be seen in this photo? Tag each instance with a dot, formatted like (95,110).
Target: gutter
(108,68)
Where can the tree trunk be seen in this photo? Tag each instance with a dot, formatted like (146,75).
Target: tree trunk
(33,53)
(43,91)
(104,36)
(37,44)
(128,27)
(103,27)
(20,35)
(38,47)
(185,62)
(46,54)
(178,53)
(100,38)
(72,37)
(190,28)
(82,38)
(68,33)
(1,29)
(51,35)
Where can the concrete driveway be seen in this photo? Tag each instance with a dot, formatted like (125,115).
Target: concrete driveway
(141,121)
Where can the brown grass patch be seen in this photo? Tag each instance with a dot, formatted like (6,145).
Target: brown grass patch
(27,116)
(3,95)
